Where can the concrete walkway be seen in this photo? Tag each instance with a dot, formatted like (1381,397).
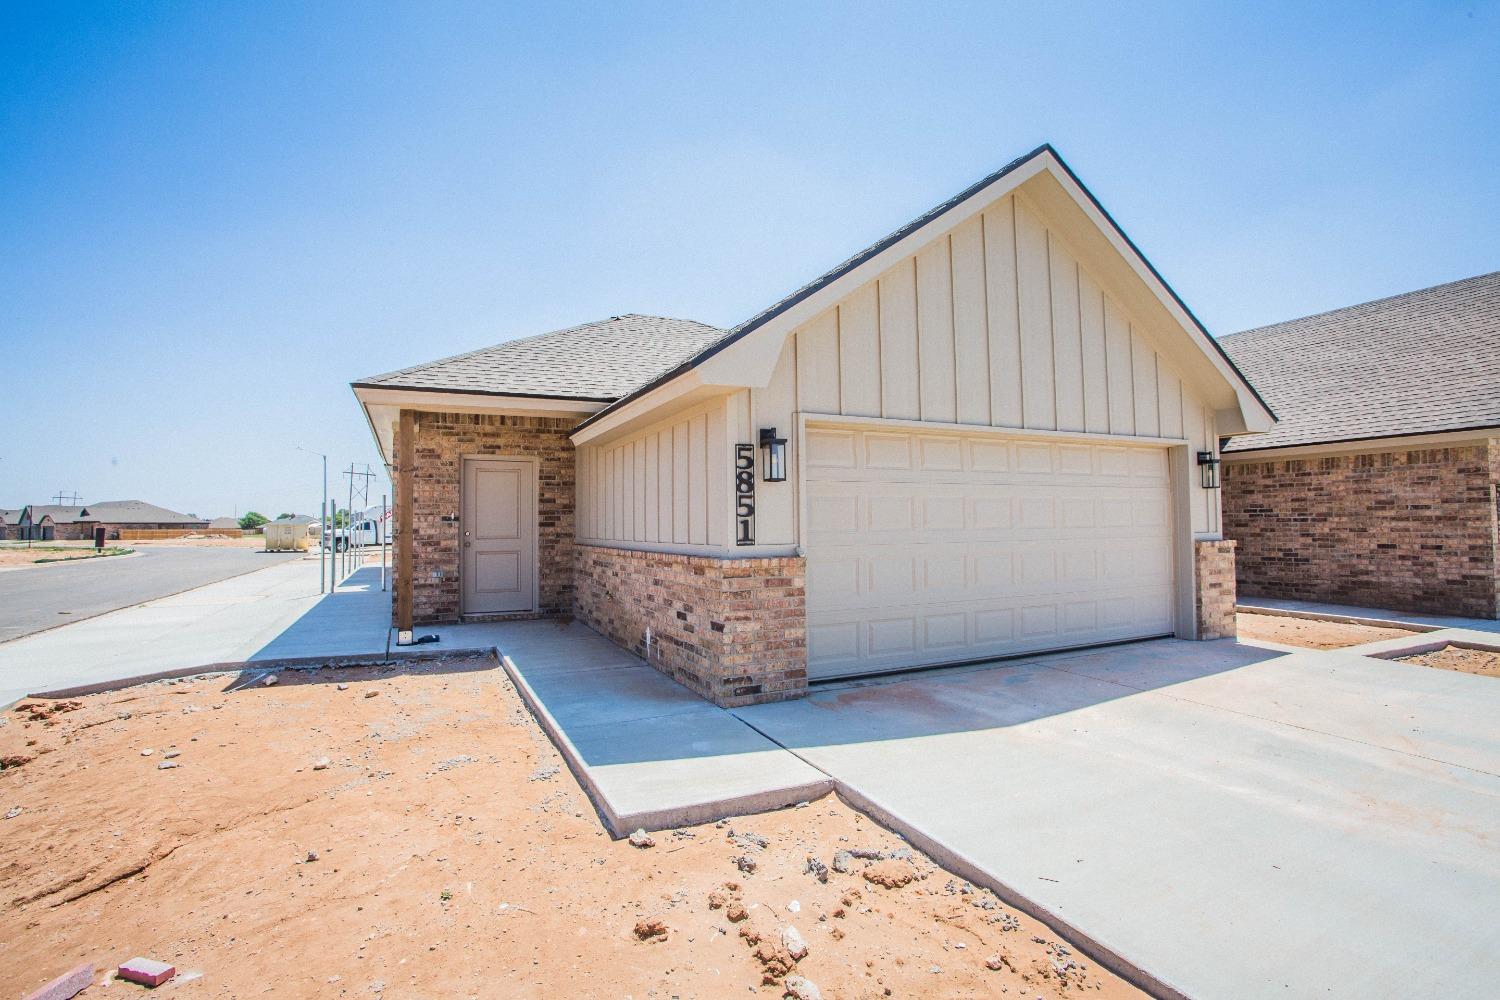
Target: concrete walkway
(225,621)
(1368,616)
(1232,821)
(649,752)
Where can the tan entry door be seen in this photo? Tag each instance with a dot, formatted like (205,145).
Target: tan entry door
(498,535)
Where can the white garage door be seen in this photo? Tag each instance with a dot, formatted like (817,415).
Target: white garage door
(927,548)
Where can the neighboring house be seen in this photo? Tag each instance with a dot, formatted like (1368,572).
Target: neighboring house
(48,522)
(10,521)
(1378,486)
(70,522)
(976,438)
(224,524)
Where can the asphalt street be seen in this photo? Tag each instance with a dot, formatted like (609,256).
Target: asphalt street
(35,599)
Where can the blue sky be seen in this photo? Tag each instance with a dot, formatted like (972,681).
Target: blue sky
(215,216)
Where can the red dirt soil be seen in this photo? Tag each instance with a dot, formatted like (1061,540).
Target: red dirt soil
(1312,633)
(415,835)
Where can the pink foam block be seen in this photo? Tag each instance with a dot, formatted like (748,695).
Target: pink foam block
(147,971)
(67,985)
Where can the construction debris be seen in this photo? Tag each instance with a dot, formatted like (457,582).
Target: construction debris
(146,971)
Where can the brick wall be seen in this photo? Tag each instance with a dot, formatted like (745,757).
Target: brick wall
(1213,568)
(1412,530)
(442,440)
(733,630)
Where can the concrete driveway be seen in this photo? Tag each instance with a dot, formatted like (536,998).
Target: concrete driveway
(42,597)
(1233,821)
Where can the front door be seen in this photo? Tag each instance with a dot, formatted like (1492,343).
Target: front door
(498,536)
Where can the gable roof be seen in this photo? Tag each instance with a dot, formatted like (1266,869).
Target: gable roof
(932,215)
(8,516)
(139,511)
(60,514)
(1424,362)
(599,361)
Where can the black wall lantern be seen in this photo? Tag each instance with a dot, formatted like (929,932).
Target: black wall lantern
(1208,466)
(774,470)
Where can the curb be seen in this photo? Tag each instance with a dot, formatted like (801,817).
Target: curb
(1318,616)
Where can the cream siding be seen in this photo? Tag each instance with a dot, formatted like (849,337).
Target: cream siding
(665,486)
(997,323)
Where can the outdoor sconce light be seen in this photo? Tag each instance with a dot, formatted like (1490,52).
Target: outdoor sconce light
(1208,466)
(775,449)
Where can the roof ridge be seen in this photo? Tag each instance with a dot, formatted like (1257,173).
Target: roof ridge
(1414,293)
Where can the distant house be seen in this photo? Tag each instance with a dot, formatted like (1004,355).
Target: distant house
(224,524)
(10,521)
(50,521)
(1377,488)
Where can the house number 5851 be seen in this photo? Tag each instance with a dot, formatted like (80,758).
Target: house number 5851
(744,494)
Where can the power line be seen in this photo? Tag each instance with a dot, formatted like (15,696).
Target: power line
(71,499)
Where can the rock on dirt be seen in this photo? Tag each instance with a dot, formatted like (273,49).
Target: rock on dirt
(642,839)
(800,988)
(371,694)
(891,874)
(842,862)
(746,864)
(322,764)
(652,929)
(817,869)
(166,765)
(791,940)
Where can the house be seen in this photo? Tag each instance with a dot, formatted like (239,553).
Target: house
(224,524)
(978,438)
(78,522)
(10,521)
(312,524)
(1378,486)
(48,522)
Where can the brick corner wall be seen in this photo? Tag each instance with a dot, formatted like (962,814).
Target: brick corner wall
(1413,529)
(1213,568)
(441,441)
(731,630)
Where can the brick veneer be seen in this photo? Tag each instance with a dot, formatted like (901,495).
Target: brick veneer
(1213,568)
(733,630)
(1411,529)
(441,442)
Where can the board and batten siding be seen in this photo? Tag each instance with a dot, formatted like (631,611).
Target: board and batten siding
(994,323)
(666,486)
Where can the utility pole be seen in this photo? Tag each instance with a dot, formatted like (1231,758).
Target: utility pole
(71,499)
(360,492)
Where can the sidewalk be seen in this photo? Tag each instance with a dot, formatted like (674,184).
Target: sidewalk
(234,619)
(1364,616)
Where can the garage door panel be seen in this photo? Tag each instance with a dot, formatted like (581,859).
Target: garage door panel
(956,547)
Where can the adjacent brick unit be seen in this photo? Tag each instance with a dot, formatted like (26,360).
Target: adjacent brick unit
(1412,529)
(1213,567)
(442,440)
(733,630)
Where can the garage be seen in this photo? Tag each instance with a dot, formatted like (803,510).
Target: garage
(928,548)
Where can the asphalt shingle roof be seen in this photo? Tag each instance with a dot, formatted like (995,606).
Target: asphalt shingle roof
(600,361)
(1420,363)
(139,511)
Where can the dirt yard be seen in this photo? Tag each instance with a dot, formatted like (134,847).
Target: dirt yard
(1312,634)
(410,832)
(206,542)
(52,554)
(1484,662)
